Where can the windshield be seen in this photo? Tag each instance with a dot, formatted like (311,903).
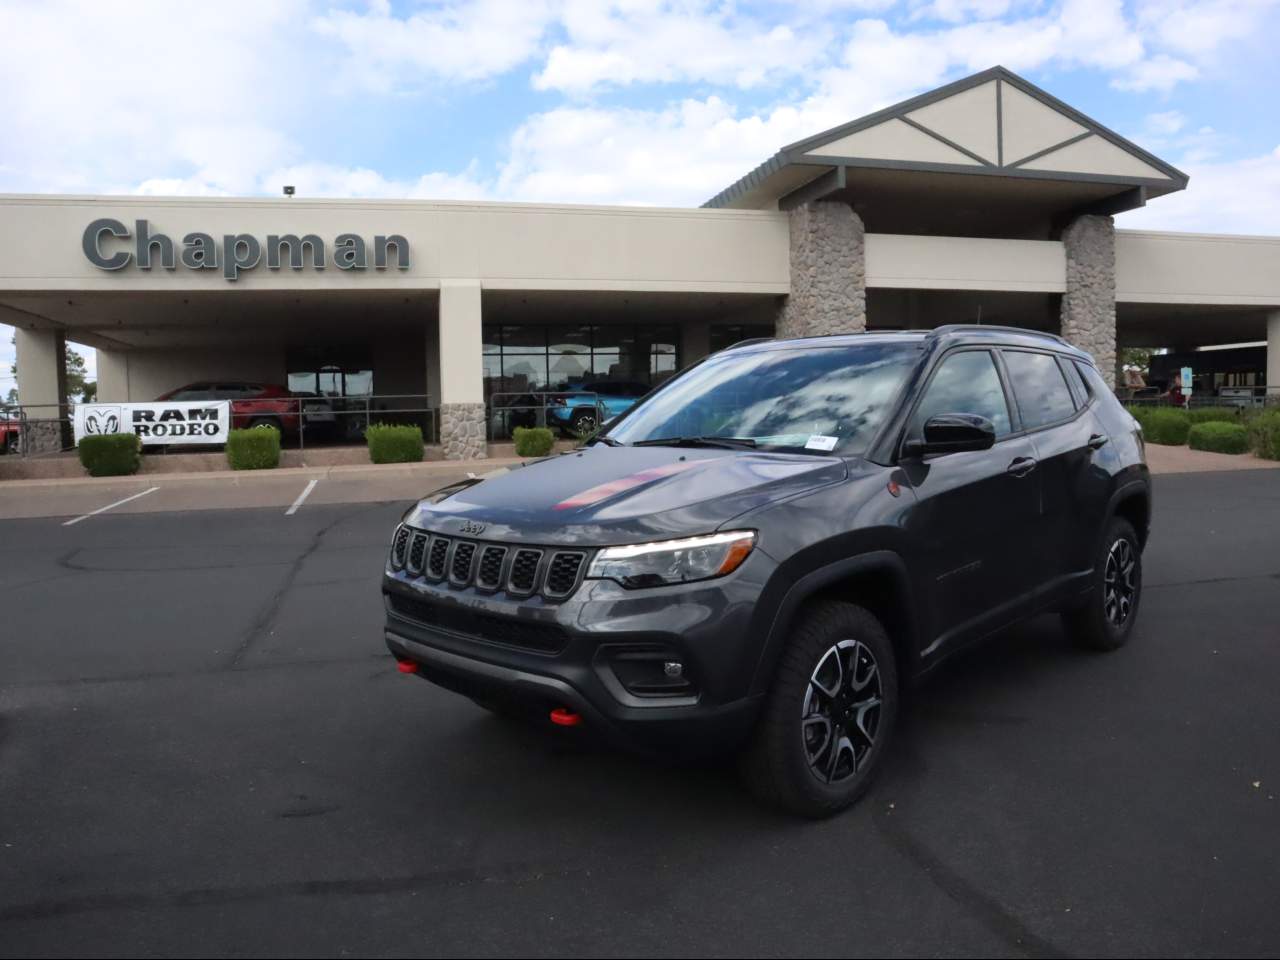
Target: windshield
(805,400)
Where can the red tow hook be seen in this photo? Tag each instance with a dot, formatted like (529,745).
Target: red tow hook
(406,666)
(564,717)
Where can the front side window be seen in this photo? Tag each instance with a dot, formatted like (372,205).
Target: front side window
(966,382)
(1038,385)
(834,398)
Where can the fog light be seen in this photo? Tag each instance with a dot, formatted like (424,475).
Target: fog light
(673,669)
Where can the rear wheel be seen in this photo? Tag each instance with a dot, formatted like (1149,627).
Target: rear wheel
(830,715)
(584,422)
(1105,619)
(262,423)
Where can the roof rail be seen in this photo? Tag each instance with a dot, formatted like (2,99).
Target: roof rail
(947,328)
(748,342)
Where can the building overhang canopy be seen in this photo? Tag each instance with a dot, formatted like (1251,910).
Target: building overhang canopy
(987,138)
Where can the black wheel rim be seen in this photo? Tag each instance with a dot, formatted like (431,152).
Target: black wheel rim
(841,711)
(1118,588)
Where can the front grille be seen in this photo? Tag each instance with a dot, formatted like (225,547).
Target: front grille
(460,569)
(524,571)
(489,573)
(436,559)
(562,574)
(490,567)
(400,547)
(473,625)
(417,550)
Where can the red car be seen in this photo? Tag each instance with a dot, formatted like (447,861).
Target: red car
(10,433)
(252,404)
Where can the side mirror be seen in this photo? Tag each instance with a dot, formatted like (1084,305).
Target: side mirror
(952,433)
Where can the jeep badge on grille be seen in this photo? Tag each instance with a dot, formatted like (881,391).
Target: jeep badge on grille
(471,528)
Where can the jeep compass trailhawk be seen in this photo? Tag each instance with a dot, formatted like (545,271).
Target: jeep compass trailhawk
(760,554)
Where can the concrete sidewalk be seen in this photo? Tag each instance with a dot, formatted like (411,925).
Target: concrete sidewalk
(1163,460)
(237,489)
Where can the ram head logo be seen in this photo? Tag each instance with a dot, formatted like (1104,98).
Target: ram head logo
(102,421)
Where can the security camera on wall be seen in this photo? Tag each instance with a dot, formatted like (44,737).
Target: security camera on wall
(288,191)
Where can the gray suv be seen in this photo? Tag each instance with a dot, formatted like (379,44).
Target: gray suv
(759,555)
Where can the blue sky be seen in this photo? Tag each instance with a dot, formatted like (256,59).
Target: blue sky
(637,101)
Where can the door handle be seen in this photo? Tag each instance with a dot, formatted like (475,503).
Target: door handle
(1021,466)
(1097,441)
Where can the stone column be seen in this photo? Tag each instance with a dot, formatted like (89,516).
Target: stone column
(462,426)
(1088,318)
(828,272)
(42,369)
(1273,357)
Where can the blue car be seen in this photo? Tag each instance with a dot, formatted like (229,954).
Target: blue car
(584,406)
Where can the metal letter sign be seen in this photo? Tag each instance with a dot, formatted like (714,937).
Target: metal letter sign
(157,423)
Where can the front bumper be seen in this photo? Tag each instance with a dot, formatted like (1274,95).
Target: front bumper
(580,653)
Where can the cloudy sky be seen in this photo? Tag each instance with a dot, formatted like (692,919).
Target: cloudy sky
(598,101)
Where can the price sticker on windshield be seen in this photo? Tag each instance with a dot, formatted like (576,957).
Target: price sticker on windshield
(819,442)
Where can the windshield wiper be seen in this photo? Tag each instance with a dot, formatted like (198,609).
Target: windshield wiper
(607,441)
(729,443)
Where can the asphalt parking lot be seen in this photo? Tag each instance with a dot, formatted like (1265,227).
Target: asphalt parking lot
(204,750)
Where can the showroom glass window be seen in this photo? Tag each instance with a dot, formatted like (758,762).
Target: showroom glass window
(1039,387)
(532,358)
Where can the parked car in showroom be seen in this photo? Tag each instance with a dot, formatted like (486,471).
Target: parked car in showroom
(10,432)
(759,556)
(257,404)
(583,407)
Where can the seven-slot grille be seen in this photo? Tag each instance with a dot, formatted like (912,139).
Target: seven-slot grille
(520,571)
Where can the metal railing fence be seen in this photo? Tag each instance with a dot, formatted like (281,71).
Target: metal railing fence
(506,410)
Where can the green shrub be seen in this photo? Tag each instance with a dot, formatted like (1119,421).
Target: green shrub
(111,454)
(1264,435)
(1167,426)
(394,443)
(533,441)
(1216,414)
(257,448)
(1219,437)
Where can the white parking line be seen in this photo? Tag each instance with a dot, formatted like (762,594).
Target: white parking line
(302,496)
(110,506)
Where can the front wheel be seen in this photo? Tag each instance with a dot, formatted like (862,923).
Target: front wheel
(829,717)
(1105,619)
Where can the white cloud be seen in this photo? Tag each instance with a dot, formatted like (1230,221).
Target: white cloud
(1161,72)
(1164,124)
(1236,196)
(453,41)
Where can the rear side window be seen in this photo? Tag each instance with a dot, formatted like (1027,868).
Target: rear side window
(966,382)
(1077,381)
(1038,386)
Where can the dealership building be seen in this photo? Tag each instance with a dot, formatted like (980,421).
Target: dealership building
(987,200)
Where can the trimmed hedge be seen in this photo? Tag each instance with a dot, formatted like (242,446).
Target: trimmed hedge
(533,441)
(1216,415)
(257,448)
(394,443)
(111,454)
(1167,426)
(1219,437)
(1264,435)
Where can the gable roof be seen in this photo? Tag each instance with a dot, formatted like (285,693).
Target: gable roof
(993,123)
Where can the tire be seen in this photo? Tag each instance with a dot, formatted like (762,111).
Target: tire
(258,423)
(584,421)
(794,763)
(1105,619)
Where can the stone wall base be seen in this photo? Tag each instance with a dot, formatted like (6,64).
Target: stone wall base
(828,272)
(42,436)
(462,433)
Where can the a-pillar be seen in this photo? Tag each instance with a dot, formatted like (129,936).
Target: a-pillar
(462,426)
(1088,317)
(42,378)
(828,272)
(1273,356)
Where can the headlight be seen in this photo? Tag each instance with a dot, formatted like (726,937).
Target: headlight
(673,561)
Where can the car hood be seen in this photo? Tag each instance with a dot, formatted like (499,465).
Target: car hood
(610,495)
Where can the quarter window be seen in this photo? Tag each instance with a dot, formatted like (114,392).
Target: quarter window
(967,382)
(1042,394)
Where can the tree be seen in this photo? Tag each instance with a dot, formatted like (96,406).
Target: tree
(1136,358)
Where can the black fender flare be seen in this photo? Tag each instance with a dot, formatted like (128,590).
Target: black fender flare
(874,561)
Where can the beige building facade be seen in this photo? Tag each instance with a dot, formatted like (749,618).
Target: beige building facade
(985,201)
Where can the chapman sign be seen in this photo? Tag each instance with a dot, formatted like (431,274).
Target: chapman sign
(102,246)
(157,423)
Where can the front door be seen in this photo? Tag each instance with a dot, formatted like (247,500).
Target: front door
(978,513)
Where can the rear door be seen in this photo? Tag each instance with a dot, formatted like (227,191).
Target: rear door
(1067,437)
(978,513)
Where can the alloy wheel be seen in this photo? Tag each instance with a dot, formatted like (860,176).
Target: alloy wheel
(1118,589)
(841,711)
